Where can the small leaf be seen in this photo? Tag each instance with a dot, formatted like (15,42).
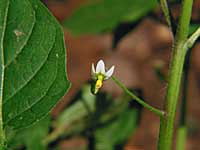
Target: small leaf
(32,62)
(193,27)
(98,16)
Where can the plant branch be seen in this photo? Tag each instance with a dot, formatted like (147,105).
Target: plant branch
(193,38)
(179,51)
(140,101)
(168,15)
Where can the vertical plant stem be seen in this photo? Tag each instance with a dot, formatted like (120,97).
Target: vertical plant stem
(182,129)
(179,50)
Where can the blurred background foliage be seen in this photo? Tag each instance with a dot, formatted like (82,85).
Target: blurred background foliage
(109,119)
(105,15)
(105,121)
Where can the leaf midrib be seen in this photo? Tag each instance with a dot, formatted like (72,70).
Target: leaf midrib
(2,136)
(3,35)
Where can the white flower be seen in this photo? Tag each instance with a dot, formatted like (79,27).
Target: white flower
(100,74)
(100,70)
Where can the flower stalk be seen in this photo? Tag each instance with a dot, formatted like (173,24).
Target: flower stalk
(140,101)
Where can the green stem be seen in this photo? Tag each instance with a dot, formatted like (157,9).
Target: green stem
(182,130)
(168,15)
(165,9)
(140,101)
(181,138)
(179,52)
(193,38)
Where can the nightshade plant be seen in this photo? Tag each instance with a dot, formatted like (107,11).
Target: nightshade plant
(33,74)
(180,47)
(32,64)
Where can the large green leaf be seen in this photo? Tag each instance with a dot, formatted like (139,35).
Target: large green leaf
(32,62)
(101,15)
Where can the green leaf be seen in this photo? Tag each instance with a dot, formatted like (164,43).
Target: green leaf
(98,16)
(32,64)
(193,27)
(31,137)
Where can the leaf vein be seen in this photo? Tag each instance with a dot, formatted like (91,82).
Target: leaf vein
(32,76)
(30,106)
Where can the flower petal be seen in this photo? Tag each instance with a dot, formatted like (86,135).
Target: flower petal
(109,72)
(93,69)
(100,67)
